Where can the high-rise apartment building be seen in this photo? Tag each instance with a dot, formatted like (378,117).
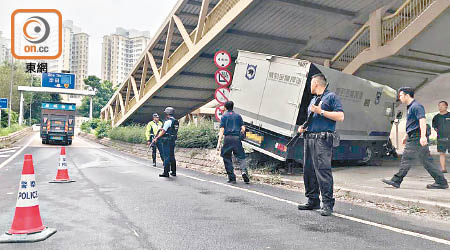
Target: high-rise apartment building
(5,49)
(120,51)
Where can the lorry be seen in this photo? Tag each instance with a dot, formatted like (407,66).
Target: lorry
(272,94)
(57,122)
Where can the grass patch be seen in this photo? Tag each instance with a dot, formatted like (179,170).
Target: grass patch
(12,129)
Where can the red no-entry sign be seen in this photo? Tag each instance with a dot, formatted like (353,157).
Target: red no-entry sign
(223,77)
(219,112)
(222,95)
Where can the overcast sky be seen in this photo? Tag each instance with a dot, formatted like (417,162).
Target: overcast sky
(96,18)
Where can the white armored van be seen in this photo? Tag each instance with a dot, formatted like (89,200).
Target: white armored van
(272,94)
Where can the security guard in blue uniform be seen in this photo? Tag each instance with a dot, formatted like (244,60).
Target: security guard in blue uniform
(318,145)
(231,129)
(416,143)
(168,135)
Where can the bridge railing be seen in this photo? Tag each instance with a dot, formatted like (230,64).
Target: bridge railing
(359,42)
(391,27)
(216,14)
(394,24)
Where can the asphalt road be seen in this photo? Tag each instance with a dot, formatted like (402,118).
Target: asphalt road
(119,202)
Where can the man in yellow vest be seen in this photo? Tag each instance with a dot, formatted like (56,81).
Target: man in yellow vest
(150,133)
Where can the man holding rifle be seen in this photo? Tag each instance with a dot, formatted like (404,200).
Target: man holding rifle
(324,111)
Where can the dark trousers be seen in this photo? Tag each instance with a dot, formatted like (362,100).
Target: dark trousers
(317,171)
(414,150)
(158,146)
(233,145)
(168,152)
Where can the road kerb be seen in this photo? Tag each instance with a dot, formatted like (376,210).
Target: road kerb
(370,196)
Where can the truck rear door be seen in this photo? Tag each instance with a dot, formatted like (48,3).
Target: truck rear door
(281,99)
(57,123)
(248,85)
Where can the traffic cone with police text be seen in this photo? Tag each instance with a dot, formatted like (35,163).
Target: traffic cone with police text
(62,176)
(27,224)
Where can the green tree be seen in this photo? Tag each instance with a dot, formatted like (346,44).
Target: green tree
(19,78)
(104,92)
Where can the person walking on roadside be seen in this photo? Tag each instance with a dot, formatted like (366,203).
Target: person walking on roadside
(231,128)
(150,132)
(168,135)
(441,123)
(318,146)
(416,143)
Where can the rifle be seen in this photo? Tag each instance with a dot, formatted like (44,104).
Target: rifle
(308,120)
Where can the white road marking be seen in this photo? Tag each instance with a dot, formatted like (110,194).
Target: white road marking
(354,219)
(8,149)
(4,156)
(17,153)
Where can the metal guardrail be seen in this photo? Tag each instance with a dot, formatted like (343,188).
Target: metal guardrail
(359,42)
(13,137)
(394,24)
(391,26)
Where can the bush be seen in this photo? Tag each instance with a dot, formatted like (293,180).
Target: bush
(201,136)
(102,128)
(86,126)
(131,134)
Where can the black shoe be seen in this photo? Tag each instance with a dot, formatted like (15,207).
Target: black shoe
(437,186)
(154,164)
(246,179)
(325,211)
(444,171)
(392,183)
(231,181)
(173,174)
(308,206)
(164,175)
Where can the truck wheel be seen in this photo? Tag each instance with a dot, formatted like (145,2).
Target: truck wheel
(368,156)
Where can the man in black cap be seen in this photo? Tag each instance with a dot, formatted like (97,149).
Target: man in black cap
(168,134)
(150,132)
(416,143)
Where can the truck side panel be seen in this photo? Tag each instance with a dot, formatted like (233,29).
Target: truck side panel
(248,89)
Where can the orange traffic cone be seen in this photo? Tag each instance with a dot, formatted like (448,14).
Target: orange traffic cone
(63,174)
(27,224)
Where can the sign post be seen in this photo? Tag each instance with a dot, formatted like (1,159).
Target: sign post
(3,105)
(222,77)
(58,80)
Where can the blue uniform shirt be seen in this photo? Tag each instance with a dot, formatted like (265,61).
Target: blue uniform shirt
(330,102)
(415,112)
(232,123)
(167,124)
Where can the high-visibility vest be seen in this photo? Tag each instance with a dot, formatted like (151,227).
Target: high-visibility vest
(152,129)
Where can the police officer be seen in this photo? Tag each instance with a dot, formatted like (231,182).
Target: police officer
(231,127)
(318,146)
(168,135)
(416,143)
(150,132)
(441,123)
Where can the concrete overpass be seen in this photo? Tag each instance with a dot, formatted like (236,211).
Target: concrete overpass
(368,38)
